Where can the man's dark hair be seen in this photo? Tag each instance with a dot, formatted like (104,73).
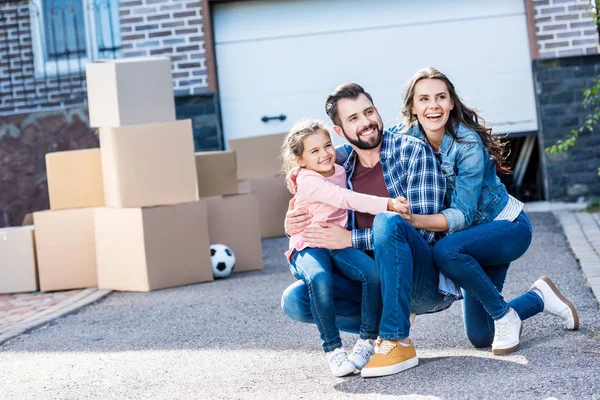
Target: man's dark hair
(345,91)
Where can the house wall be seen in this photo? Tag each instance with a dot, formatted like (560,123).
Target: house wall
(567,44)
(20,89)
(565,28)
(559,85)
(24,141)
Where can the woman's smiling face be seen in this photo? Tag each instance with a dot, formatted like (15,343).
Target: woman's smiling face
(432,105)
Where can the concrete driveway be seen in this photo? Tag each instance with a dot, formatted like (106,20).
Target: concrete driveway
(230,340)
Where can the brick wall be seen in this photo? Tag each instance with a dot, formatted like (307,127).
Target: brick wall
(560,84)
(21,90)
(565,28)
(168,28)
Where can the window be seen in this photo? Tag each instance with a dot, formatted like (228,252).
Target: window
(69,33)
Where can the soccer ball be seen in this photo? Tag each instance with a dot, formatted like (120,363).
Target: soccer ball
(223,260)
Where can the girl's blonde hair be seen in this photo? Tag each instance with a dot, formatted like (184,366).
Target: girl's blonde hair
(293,144)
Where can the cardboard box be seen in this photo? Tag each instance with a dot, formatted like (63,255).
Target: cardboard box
(258,157)
(17,260)
(27,219)
(75,179)
(149,165)
(130,91)
(216,172)
(66,249)
(143,249)
(233,221)
(273,202)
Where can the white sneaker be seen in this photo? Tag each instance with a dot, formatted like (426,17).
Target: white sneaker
(507,331)
(362,352)
(339,363)
(557,304)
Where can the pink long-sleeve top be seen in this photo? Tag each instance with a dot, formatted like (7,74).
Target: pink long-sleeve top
(327,199)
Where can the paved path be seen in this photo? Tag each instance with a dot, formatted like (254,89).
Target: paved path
(24,311)
(229,340)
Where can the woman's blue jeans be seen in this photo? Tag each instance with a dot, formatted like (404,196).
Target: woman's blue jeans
(405,261)
(314,268)
(477,259)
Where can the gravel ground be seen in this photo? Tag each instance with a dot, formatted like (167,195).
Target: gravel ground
(230,340)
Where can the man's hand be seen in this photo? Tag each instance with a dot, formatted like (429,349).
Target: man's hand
(290,180)
(328,236)
(296,220)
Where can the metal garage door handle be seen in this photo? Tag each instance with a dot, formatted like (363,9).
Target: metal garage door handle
(266,119)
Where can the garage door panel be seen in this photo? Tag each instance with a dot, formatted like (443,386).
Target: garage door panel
(293,75)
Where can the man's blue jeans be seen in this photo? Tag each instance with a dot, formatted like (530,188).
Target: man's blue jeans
(409,281)
(314,268)
(477,259)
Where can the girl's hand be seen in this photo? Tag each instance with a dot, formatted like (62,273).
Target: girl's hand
(399,205)
(290,180)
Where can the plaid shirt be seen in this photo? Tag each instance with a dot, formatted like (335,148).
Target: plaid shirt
(410,169)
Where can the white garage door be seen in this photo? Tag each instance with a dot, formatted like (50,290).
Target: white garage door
(283,57)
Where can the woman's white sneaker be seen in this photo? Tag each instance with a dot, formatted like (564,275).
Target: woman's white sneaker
(557,304)
(362,352)
(507,331)
(339,363)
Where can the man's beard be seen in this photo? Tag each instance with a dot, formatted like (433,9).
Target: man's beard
(363,144)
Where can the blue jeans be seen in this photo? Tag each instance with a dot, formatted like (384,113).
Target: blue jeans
(477,259)
(315,266)
(408,277)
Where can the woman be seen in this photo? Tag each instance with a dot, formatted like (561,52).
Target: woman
(487,228)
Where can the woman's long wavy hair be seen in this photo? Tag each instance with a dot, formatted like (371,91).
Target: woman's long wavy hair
(459,114)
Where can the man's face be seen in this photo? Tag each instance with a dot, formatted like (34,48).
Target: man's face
(361,124)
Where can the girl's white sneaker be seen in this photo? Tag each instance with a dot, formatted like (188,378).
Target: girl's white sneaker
(362,352)
(339,363)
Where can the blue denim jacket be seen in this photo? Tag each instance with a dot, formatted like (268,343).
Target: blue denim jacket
(474,193)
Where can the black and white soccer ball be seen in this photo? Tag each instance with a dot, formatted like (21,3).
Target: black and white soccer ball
(223,260)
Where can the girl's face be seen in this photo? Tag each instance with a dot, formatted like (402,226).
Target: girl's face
(318,154)
(432,105)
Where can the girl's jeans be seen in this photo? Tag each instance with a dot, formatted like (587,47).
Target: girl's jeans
(477,259)
(315,266)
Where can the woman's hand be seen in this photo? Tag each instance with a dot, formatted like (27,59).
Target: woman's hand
(296,220)
(290,180)
(399,205)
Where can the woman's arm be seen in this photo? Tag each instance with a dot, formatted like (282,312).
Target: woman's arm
(470,167)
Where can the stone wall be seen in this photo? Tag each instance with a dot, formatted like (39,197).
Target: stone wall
(559,85)
(24,141)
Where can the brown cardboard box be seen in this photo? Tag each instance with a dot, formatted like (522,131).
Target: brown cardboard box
(143,249)
(216,171)
(27,219)
(258,157)
(66,249)
(233,221)
(75,179)
(149,165)
(17,260)
(130,91)
(273,202)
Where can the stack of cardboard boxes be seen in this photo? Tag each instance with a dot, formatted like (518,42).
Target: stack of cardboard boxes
(139,213)
(260,172)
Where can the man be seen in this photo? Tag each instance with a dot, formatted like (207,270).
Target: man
(388,165)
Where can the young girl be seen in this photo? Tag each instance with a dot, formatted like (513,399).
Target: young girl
(488,228)
(322,190)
